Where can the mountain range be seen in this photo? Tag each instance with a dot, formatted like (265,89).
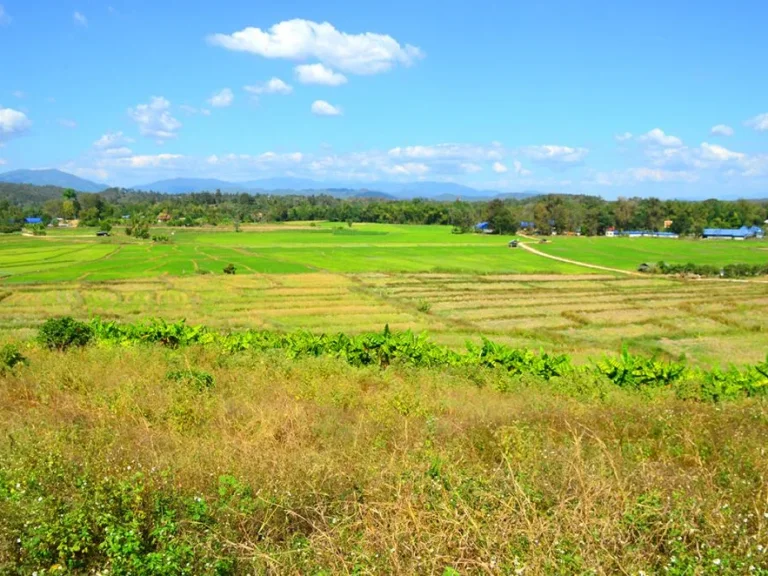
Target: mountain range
(444,191)
(51,178)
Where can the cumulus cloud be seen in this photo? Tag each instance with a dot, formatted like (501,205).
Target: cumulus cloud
(66,123)
(155,119)
(12,123)
(323,108)
(659,138)
(222,98)
(272,86)
(623,137)
(319,74)
(112,140)
(721,130)
(562,156)
(759,122)
(366,53)
(499,168)
(519,170)
(407,169)
(80,19)
(719,153)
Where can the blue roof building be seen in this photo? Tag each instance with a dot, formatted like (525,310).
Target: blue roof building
(481,226)
(734,233)
(33,220)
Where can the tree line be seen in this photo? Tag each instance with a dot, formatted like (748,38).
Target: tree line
(587,215)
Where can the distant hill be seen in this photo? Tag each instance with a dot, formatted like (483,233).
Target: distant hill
(189,185)
(51,178)
(446,191)
(374,195)
(442,191)
(271,184)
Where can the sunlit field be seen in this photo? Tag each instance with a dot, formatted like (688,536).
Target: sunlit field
(331,278)
(629,253)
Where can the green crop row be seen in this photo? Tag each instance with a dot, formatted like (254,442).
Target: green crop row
(388,347)
(738,270)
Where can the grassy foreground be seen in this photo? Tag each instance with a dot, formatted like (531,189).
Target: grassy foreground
(124,460)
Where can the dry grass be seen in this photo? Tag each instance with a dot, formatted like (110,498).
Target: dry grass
(400,472)
(580,315)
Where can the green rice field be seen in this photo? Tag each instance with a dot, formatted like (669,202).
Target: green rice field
(629,253)
(455,287)
(78,255)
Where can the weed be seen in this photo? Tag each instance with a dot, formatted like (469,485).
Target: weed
(10,357)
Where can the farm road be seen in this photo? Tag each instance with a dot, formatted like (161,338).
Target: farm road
(525,246)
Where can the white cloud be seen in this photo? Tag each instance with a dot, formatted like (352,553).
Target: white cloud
(754,165)
(66,123)
(18,94)
(319,74)
(119,152)
(2,161)
(658,175)
(323,108)
(717,153)
(407,169)
(151,161)
(298,39)
(658,137)
(623,137)
(12,123)
(759,122)
(272,86)
(98,174)
(155,120)
(555,155)
(448,151)
(470,168)
(499,168)
(192,110)
(721,130)
(112,140)
(4,17)
(80,19)
(519,170)
(222,98)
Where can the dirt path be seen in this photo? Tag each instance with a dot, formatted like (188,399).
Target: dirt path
(525,246)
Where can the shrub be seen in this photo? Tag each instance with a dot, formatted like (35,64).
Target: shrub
(10,357)
(198,379)
(230,269)
(635,371)
(424,306)
(105,226)
(161,238)
(737,270)
(62,333)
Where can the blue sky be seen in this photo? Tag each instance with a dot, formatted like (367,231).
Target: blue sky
(609,98)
